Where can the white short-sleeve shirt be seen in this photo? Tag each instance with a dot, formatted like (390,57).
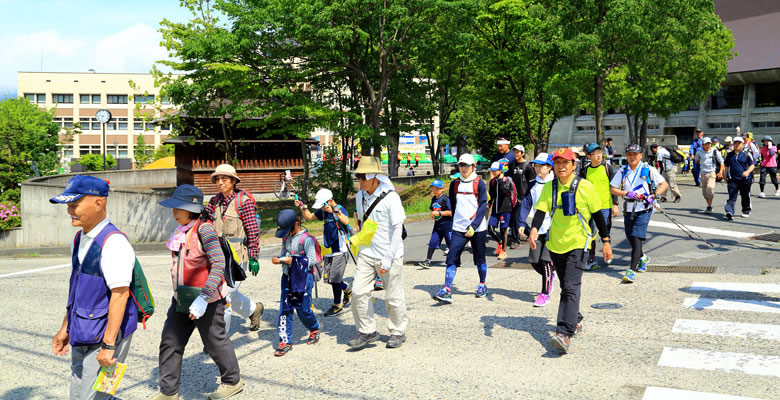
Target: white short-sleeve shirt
(117,259)
(632,180)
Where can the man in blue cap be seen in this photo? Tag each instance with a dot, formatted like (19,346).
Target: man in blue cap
(99,320)
(441,213)
(599,173)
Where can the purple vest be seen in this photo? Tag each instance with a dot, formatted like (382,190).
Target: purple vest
(88,295)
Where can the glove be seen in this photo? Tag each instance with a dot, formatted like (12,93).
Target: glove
(198,307)
(632,195)
(254,266)
(649,200)
(470,232)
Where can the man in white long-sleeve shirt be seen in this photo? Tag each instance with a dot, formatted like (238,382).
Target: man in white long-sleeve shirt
(377,201)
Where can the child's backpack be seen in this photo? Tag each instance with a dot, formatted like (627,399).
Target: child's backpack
(675,156)
(315,269)
(514,191)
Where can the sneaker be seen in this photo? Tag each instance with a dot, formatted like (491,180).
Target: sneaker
(550,286)
(395,341)
(334,310)
(729,216)
(708,210)
(514,245)
(254,319)
(160,396)
(642,267)
(363,339)
(225,391)
(347,296)
(378,285)
(541,300)
(444,249)
(762,195)
(608,262)
(424,264)
(678,198)
(502,255)
(481,290)
(444,296)
(629,276)
(498,249)
(282,349)
(578,329)
(314,337)
(777,193)
(745,215)
(662,200)
(591,263)
(560,341)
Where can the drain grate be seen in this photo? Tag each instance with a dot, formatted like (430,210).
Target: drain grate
(515,265)
(681,268)
(769,237)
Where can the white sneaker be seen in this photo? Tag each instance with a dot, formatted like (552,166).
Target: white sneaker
(745,215)
(762,195)
(777,193)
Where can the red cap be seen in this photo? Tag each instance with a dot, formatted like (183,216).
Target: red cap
(566,154)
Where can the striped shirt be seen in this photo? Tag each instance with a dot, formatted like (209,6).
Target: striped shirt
(247,212)
(210,242)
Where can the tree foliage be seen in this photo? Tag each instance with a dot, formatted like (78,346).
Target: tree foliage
(94,162)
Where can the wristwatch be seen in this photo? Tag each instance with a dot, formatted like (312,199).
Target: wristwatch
(106,346)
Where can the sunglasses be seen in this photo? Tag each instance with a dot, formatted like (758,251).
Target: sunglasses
(462,165)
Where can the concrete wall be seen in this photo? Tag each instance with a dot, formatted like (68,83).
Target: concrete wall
(132,207)
(11,238)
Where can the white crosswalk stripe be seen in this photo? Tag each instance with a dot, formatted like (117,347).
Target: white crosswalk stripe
(724,328)
(705,303)
(736,287)
(720,361)
(659,393)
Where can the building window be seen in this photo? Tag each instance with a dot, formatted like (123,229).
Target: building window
(116,99)
(67,122)
(139,98)
(165,100)
(95,125)
(36,98)
(767,124)
(586,128)
(90,99)
(122,123)
(768,94)
(66,150)
(85,149)
(119,151)
(586,112)
(62,98)
(95,99)
(138,125)
(723,125)
(111,125)
(614,127)
(728,97)
(84,122)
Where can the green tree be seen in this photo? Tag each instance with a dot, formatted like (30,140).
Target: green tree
(141,152)
(94,162)
(29,142)
(166,150)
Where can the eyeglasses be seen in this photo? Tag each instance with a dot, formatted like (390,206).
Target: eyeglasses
(360,177)
(463,165)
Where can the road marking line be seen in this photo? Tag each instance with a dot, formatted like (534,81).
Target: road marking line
(752,364)
(29,271)
(736,287)
(704,303)
(659,393)
(699,229)
(724,328)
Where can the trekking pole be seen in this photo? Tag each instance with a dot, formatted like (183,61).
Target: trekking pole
(682,227)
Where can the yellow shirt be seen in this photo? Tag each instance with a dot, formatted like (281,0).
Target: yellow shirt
(598,176)
(567,233)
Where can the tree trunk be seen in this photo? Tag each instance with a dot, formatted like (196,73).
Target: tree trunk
(305,155)
(598,88)
(228,142)
(629,126)
(643,132)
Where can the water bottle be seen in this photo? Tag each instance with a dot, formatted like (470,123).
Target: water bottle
(437,207)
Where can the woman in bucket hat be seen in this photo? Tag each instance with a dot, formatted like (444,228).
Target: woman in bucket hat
(198,273)
(233,212)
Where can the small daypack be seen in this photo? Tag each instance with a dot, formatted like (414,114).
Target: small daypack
(675,156)
(316,269)
(514,191)
(238,204)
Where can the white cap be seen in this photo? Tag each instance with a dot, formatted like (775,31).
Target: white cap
(738,139)
(706,140)
(495,166)
(502,141)
(520,147)
(321,198)
(466,159)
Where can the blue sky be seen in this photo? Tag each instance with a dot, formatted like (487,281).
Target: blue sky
(74,36)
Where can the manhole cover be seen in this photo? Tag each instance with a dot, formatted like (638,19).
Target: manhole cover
(681,268)
(512,265)
(770,237)
(606,306)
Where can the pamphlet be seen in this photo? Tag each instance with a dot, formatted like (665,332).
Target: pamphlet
(109,377)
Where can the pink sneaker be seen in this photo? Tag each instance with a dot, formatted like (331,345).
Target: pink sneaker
(541,300)
(550,285)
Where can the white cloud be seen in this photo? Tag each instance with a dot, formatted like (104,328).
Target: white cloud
(134,49)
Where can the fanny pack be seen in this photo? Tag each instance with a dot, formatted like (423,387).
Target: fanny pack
(185,295)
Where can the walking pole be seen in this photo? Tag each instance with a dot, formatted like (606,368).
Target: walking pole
(682,227)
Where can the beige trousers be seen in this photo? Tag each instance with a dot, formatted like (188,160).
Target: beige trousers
(366,271)
(708,185)
(671,177)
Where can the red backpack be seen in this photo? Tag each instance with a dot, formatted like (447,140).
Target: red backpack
(514,191)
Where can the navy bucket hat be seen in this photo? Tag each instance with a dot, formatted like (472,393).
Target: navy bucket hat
(185,197)
(285,221)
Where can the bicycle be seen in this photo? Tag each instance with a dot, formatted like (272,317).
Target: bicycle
(285,187)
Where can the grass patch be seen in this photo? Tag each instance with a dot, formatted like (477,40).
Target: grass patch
(28,255)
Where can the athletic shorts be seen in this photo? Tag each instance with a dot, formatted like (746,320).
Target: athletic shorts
(334,266)
(500,220)
(636,224)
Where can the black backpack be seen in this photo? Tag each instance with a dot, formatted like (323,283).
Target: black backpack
(674,154)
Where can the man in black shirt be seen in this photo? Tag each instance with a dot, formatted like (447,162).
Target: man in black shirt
(522,174)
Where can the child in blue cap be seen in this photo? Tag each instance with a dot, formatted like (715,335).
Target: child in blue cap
(441,213)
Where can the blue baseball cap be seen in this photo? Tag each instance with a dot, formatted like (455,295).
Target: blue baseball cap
(185,197)
(543,159)
(80,186)
(633,148)
(438,183)
(590,148)
(284,222)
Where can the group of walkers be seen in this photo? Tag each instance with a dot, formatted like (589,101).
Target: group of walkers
(553,203)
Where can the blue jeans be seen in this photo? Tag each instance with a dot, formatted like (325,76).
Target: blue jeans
(305,313)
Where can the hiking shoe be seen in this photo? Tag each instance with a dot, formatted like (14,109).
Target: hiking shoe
(629,276)
(642,267)
(678,198)
(550,286)
(378,285)
(745,215)
(347,296)
(729,216)
(481,290)
(502,255)
(395,341)
(254,319)
(444,296)
(541,300)
(282,349)
(334,310)
(160,396)
(591,264)
(424,264)
(225,391)
(762,195)
(708,210)
(560,341)
(363,339)
(314,337)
